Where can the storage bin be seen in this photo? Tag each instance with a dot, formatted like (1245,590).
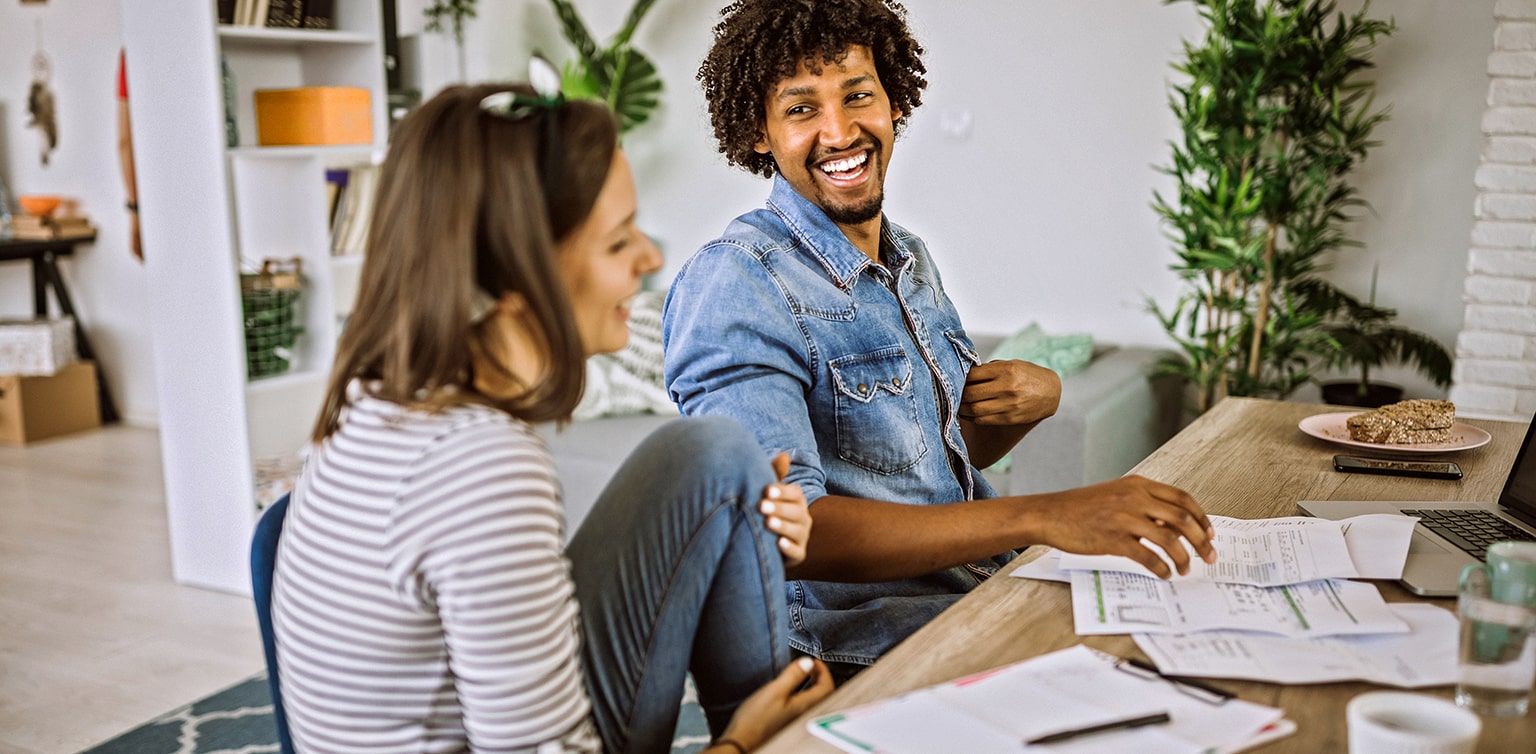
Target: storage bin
(36,408)
(269,303)
(313,115)
(36,347)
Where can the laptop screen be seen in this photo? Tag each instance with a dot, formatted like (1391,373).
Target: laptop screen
(1519,495)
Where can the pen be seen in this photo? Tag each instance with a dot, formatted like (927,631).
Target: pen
(1131,722)
(1181,680)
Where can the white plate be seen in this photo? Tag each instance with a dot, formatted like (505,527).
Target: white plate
(1331,427)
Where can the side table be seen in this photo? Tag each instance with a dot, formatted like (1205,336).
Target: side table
(45,274)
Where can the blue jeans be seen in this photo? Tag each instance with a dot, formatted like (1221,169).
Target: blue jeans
(675,570)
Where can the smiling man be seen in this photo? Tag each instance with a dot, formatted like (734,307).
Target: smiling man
(824,328)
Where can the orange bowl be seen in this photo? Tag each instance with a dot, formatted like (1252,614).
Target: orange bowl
(38,205)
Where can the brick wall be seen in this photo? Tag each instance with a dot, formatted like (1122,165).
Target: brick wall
(1495,373)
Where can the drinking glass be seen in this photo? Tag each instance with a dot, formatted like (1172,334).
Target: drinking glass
(1497,658)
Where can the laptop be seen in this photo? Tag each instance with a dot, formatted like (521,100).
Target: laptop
(1435,559)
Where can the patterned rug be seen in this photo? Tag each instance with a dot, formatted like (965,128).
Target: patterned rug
(238,720)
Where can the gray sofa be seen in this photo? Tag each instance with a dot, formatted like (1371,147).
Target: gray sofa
(1111,416)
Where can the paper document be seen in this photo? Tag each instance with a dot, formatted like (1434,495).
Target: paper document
(1047,567)
(1378,543)
(997,711)
(1111,602)
(1425,657)
(1258,552)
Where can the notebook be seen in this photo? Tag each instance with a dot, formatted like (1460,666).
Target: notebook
(1435,561)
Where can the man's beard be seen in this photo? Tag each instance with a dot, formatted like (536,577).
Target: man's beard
(869,209)
(859,213)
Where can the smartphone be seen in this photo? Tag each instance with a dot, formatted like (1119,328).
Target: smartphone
(1427,469)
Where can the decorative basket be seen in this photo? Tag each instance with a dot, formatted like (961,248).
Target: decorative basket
(269,300)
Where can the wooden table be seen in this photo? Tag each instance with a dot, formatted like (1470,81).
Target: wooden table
(44,256)
(1246,459)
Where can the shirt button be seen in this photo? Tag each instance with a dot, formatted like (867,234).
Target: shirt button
(863,389)
(897,382)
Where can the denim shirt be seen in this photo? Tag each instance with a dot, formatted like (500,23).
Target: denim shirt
(856,369)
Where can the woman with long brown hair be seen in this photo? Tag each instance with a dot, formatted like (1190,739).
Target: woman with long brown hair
(424,597)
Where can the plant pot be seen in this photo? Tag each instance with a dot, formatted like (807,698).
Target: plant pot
(1377,394)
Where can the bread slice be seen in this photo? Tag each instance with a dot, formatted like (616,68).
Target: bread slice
(1404,423)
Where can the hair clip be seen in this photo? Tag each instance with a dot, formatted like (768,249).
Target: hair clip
(545,81)
(481,306)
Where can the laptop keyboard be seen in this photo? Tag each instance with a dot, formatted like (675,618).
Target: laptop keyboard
(1471,529)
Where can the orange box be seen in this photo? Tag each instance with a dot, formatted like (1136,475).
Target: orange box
(313,115)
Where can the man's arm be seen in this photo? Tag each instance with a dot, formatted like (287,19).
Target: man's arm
(869,540)
(1002,402)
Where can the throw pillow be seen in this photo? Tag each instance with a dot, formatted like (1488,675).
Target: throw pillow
(629,381)
(1064,354)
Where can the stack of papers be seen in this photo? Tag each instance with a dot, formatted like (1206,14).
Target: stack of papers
(1423,657)
(1275,581)
(1280,551)
(1278,575)
(1002,709)
(1106,602)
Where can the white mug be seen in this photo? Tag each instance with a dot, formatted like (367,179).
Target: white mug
(1393,722)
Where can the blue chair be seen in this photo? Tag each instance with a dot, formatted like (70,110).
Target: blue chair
(263,560)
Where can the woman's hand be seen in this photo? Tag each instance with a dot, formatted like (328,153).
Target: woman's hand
(787,514)
(776,704)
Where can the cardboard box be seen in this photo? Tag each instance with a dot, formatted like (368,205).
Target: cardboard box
(34,408)
(313,115)
(36,347)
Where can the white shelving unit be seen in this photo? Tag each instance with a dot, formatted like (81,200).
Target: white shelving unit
(210,211)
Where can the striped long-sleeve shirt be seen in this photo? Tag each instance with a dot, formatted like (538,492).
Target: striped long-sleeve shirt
(422,600)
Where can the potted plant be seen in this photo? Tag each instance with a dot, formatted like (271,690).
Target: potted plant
(1274,116)
(1367,339)
(617,74)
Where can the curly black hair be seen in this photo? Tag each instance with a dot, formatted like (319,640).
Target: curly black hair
(762,42)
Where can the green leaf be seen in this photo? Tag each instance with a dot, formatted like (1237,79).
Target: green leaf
(632,84)
(1274,115)
(576,32)
(618,74)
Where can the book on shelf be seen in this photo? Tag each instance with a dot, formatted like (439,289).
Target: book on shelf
(349,232)
(319,14)
(285,14)
(335,191)
(244,13)
(341,209)
(29,228)
(259,10)
(73,228)
(275,14)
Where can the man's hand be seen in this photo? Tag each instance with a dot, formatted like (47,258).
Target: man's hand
(787,514)
(1009,393)
(1112,517)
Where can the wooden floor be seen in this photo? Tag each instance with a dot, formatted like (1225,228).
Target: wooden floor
(95,637)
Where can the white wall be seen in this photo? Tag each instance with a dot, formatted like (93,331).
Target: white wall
(1496,352)
(1433,73)
(1040,211)
(81,38)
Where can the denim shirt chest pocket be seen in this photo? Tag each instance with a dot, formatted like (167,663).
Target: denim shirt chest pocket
(876,411)
(964,348)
